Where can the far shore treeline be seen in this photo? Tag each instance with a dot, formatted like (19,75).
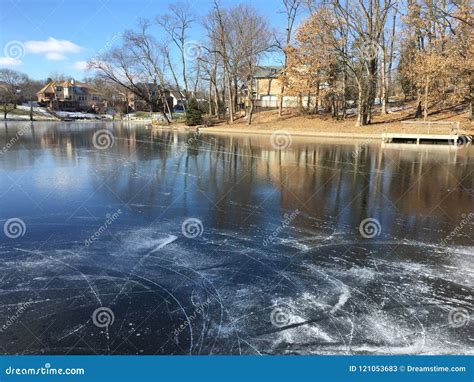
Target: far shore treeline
(331,57)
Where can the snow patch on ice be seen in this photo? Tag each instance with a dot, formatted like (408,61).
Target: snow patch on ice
(344,296)
(165,242)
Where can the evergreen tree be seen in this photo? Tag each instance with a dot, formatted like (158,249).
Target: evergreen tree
(193,113)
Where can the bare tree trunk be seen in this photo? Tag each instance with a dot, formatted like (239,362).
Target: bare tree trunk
(236,95)
(316,106)
(251,109)
(176,82)
(210,99)
(372,88)
(282,91)
(471,94)
(230,99)
(291,7)
(425,107)
(216,100)
(216,89)
(224,91)
(390,55)
(166,106)
(344,101)
(360,106)
(383,80)
(185,77)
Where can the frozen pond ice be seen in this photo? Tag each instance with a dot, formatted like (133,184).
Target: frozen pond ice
(275,262)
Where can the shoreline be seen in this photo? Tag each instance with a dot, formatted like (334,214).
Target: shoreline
(329,131)
(316,134)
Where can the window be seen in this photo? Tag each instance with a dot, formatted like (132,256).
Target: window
(59,88)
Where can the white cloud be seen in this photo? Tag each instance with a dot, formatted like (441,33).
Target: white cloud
(80,65)
(9,61)
(51,45)
(53,56)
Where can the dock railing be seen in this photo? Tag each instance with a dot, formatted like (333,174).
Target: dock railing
(430,131)
(431,127)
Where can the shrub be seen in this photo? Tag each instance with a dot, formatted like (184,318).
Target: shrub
(193,113)
(208,120)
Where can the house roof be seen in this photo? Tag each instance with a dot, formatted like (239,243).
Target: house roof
(176,94)
(268,71)
(50,87)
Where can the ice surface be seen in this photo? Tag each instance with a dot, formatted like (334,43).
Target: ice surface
(226,290)
(316,288)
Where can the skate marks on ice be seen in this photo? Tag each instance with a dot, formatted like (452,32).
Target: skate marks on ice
(224,294)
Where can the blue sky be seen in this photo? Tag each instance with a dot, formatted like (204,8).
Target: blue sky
(39,37)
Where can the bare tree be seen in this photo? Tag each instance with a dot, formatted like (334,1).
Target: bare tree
(220,41)
(210,62)
(438,54)
(11,87)
(251,43)
(365,21)
(291,11)
(137,66)
(177,24)
(390,52)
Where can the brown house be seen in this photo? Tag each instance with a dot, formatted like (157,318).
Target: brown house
(267,85)
(159,97)
(69,96)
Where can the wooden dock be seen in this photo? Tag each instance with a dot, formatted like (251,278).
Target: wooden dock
(428,132)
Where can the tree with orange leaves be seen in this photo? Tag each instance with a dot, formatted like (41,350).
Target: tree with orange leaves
(311,61)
